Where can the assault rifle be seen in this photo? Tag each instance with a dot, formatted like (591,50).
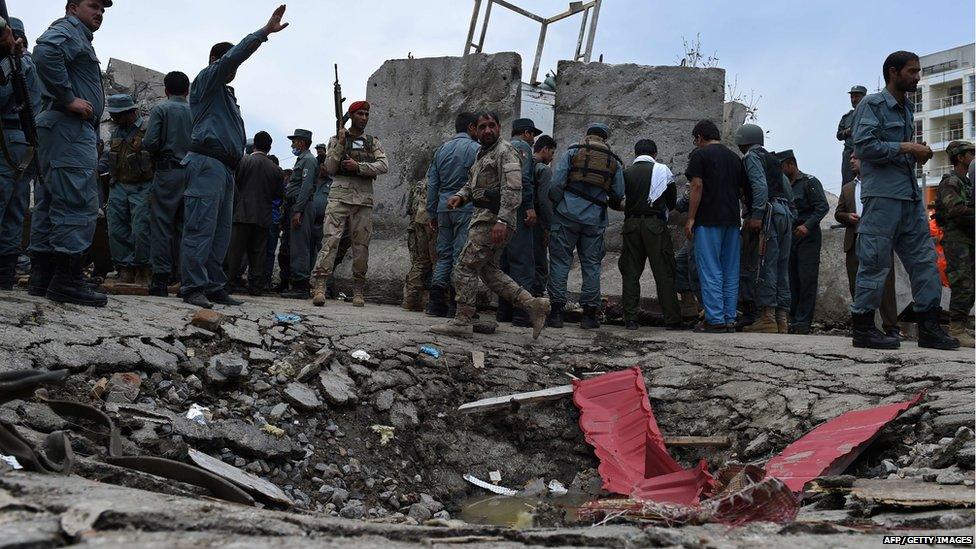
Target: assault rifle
(341,116)
(12,72)
(767,223)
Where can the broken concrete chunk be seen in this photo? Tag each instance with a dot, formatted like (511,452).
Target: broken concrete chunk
(249,482)
(123,387)
(404,414)
(245,332)
(302,396)
(339,389)
(226,367)
(207,319)
(260,355)
(384,400)
(478,359)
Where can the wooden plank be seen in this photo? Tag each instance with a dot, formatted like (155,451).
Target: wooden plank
(678,441)
(243,479)
(496,403)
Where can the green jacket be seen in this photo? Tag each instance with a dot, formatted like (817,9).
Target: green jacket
(954,206)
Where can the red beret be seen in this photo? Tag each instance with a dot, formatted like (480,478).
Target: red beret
(358,105)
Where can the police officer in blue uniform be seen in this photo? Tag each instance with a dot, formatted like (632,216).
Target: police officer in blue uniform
(518,260)
(216,147)
(66,203)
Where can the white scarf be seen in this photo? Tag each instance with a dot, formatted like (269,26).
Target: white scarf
(857,196)
(661,177)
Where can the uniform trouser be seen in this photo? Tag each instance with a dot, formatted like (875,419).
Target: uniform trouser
(248,240)
(845,167)
(66,203)
(127,211)
(804,271)
(452,234)
(959,270)
(518,259)
(717,254)
(889,303)
(271,246)
(564,237)
(422,250)
(540,248)
(14,196)
(480,260)
(686,269)
(648,240)
(165,219)
(773,287)
(301,247)
(901,225)
(360,228)
(209,212)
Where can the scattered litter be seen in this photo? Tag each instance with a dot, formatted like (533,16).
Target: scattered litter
(11,461)
(430,350)
(241,478)
(360,354)
(535,489)
(497,403)
(191,352)
(478,360)
(282,367)
(556,488)
(831,447)
(287,318)
(272,430)
(199,414)
(495,476)
(502,491)
(907,494)
(384,431)
(342,297)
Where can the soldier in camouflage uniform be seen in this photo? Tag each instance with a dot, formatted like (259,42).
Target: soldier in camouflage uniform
(354,159)
(495,188)
(420,241)
(954,213)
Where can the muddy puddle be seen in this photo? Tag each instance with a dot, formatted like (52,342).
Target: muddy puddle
(523,512)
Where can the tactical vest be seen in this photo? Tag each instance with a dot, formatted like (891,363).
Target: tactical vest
(593,164)
(362,149)
(774,173)
(129,161)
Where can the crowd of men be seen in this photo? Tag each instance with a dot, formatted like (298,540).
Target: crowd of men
(188,200)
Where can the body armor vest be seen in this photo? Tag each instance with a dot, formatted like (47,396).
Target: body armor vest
(593,164)
(774,173)
(361,149)
(129,161)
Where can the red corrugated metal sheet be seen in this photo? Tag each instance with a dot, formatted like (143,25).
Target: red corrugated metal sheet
(617,420)
(832,446)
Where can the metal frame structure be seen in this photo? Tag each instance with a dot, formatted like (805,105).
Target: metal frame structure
(574,7)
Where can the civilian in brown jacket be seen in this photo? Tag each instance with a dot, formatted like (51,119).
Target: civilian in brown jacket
(848,215)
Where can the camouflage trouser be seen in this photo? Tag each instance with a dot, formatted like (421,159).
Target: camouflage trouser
(421,245)
(360,220)
(480,260)
(959,270)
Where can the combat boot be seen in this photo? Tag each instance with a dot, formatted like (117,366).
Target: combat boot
(452,302)
(158,287)
(555,318)
(931,334)
(865,334)
(539,309)
(958,330)
(765,324)
(126,275)
(8,271)
(141,276)
(41,272)
(357,295)
(689,305)
(590,320)
(68,285)
(221,297)
(749,315)
(299,290)
(318,291)
(460,326)
(782,321)
(436,305)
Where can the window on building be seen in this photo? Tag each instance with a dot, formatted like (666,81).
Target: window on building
(940,67)
(972,124)
(954,96)
(953,129)
(919,137)
(917,100)
(972,88)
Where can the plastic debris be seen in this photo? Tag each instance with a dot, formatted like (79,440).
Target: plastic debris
(272,430)
(556,488)
(11,461)
(287,318)
(360,354)
(384,431)
(199,414)
(500,490)
(495,476)
(430,350)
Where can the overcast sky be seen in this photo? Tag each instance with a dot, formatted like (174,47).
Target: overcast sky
(801,57)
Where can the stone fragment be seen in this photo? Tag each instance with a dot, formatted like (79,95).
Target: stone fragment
(226,367)
(278,411)
(353,510)
(403,414)
(123,387)
(302,396)
(950,476)
(419,512)
(207,319)
(260,355)
(384,400)
(339,389)
(245,332)
(339,496)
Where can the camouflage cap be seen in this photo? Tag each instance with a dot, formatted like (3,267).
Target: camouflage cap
(956,148)
(120,102)
(859,89)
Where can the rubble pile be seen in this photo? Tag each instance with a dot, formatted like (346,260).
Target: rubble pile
(338,412)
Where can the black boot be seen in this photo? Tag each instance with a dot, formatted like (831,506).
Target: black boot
(590,320)
(504,312)
(158,287)
(452,303)
(68,285)
(299,290)
(8,271)
(931,334)
(221,297)
(42,270)
(866,335)
(750,314)
(555,318)
(330,289)
(436,304)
